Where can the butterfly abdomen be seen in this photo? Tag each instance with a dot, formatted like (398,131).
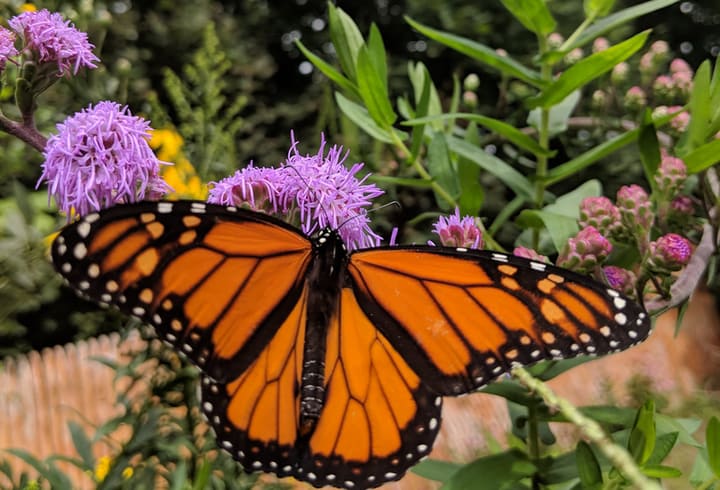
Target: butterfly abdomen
(324,280)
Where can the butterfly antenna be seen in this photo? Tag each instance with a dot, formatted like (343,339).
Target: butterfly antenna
(372,210)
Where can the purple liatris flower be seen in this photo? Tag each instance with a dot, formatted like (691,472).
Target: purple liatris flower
(327,194)
(635,208)
(671,175)
(585,251)
(601,214)
(7,47)
(257,188)
(620,279)
(458,232)
(53,39)
(101,157)
(529,253)
(669,253)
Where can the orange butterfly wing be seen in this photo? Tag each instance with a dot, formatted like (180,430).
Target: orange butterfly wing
(215,282)
(461,318)
(378,417)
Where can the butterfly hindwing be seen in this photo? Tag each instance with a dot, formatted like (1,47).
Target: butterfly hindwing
(215,282)
(463,317)
(378,418)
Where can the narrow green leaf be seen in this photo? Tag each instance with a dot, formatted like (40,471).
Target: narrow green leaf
(481,53)
(422,84)
(82,444)
(588,467)
(643,433)
(533,14)
(649,148)
(661,471)
(703,157)
(373,90)
(511,133)
(359,115)
(597,8)
(559,114)
(329,71)
(506,173)
(376,49)
(663,445)
(615,20)
(441,169)
(346,39)
(420,78)
(587,70)
(712,440)
(472,193)
(699,106)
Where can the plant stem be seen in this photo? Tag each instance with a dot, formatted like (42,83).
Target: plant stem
(26,132)
(592,431)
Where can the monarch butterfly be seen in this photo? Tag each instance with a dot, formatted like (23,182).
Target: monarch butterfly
(327,365)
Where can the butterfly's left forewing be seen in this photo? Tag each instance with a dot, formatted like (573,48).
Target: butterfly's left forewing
(215,282)
(462,317)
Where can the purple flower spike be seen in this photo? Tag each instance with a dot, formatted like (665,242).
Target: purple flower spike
(101,157)
(257,188)
(669,253)
(585,251)
(55,40)
(683,206)
(635,209)
(620,279)
(7,47)
(458,232)
(327,194)
(600,213)
(528,253)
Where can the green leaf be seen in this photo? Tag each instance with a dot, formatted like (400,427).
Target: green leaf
(82,444)
(643,434)
(512,391)
(588,466)
(329,71)
(700,109)
(663,445)
(559,114)
(712,440)
(492,472)
(437,470)
(597,8)
(422,85)
(376,49)
(533,14)
(613,21)
(703,157)
(373,90)
(649,148)
(346,39)
(548,370)
(506,173)
(441,168)
(586,70)
(472,192)
(661,471)
(481,53)
(359,115)
(497,126)
(590,157)
(559,227)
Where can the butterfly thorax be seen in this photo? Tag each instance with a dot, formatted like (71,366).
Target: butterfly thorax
(324,281)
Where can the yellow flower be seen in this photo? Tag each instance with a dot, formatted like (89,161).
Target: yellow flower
(102,467)
(167,142)
(127,473)
(27,7)
(184,180)
(32,485)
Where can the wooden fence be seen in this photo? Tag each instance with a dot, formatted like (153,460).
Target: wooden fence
(41,392)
